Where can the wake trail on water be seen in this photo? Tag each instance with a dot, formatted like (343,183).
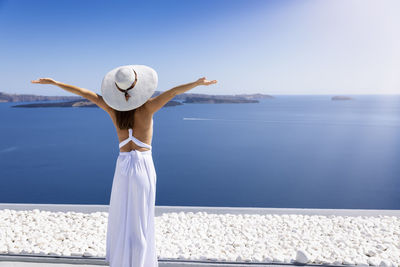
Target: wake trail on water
(332,123)
(9,149)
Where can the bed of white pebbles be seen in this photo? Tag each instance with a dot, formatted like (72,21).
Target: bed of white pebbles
(336,240)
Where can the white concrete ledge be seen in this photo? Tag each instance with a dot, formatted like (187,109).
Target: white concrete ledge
(217,210)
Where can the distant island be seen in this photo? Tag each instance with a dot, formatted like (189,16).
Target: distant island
(77,101)
(31,98)
(216,100)
(341,98)
(184,96)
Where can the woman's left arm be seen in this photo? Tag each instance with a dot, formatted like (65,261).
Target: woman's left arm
(89,95)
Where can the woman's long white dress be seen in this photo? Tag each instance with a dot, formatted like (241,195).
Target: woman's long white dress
(130,230)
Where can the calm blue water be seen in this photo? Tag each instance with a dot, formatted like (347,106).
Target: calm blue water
(291,151)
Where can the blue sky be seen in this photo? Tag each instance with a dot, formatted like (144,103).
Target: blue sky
(271,47)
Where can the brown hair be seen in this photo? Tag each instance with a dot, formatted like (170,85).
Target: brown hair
(125,119)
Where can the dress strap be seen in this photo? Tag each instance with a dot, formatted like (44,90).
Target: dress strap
(135,140)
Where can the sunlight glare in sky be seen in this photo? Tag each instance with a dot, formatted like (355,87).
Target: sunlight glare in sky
(271,47)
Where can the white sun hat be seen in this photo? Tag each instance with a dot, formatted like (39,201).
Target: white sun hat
(128,87)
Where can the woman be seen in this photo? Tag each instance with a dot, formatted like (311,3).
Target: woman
(130,230)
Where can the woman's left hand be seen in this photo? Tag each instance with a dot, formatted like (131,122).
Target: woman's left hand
(204,81)
(44,81)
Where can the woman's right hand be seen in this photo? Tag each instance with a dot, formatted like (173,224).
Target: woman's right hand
(44,81)
(204,81)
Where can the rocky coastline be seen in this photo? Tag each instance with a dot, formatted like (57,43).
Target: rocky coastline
(77,101)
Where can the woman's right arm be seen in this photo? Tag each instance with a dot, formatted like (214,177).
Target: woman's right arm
(154,104)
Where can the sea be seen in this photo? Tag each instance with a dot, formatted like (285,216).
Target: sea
(299,151)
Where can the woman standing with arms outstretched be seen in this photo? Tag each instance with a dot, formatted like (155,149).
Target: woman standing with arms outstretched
(126,97)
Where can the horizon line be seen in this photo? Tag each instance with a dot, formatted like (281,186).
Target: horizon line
(282,94)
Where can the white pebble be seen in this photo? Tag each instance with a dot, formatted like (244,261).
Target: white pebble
(302,256)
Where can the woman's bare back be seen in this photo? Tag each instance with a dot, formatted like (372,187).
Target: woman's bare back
(142,130)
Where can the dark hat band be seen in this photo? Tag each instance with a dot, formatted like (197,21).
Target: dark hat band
(125,91)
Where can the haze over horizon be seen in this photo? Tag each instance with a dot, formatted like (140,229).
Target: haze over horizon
(269,47)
